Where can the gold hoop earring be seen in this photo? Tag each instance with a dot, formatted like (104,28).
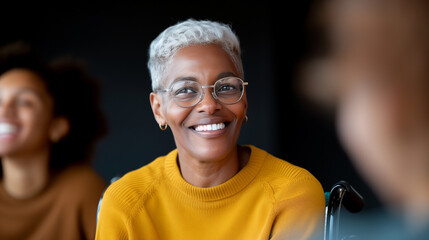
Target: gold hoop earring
(245,119)
(163,127)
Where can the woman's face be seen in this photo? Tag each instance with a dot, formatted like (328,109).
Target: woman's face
(25,113)
(382,115)
(204,64)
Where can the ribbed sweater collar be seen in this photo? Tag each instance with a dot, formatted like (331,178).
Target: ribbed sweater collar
(224,190)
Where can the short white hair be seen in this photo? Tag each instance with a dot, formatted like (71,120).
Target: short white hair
(188,33)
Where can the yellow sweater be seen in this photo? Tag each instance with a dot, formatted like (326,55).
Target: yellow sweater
(269,196)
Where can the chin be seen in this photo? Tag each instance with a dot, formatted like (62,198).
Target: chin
(6,151)
(211,152)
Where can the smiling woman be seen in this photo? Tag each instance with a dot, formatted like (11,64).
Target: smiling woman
(48,190)
(209,187)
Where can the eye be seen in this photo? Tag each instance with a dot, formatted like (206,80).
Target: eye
(186,93)
(226,88)
(27,99)
(24,102)
(185,90)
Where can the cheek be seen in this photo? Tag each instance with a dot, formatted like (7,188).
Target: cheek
(36,120)
(239,112)
(176,115)
(359,129)
(239,109)
(364,129)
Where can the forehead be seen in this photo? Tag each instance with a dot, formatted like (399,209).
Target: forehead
(377,18)
(22,79)
(200,61)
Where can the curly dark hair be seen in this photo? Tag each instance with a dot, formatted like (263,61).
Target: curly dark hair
(76,96)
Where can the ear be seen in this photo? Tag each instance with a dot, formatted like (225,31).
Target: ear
(156,104)
(60,127)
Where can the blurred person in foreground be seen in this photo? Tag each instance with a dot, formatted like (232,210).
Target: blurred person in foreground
(377,69)
(49,123)
(209,187)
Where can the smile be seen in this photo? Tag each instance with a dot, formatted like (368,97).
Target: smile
(6,128)
(210,127)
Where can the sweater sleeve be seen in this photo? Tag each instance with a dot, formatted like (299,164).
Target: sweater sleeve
(112,219)
(77,192)
(300,209)
(123,215)
(95,187)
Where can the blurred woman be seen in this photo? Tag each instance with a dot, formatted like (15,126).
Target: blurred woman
(209,187)
(379,63)
(383,110)
(49,122)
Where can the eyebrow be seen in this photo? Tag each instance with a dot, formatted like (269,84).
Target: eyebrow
(184,79)
(226,74)
(219,76)
(27,90)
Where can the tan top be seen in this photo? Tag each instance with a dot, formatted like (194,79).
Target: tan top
(66,209)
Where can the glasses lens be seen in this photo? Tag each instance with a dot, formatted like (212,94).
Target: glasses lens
(186,93)
(229,90)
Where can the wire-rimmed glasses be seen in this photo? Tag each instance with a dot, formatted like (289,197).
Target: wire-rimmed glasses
(188,93)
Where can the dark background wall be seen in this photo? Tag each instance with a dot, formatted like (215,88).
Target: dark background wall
(114,39)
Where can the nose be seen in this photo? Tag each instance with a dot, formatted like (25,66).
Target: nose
(209,104)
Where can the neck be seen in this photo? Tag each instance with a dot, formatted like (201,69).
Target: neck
(25,177)
(416,205)
(206,174)
(415,198)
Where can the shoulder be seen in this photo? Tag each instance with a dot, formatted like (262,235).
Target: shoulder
(81,178)
(285,178)
(135,185)
(77,186)
(276,168)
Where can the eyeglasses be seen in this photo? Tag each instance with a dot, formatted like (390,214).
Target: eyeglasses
(187,93)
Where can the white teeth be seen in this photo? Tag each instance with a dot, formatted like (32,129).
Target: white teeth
(6,128)
(210,127)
